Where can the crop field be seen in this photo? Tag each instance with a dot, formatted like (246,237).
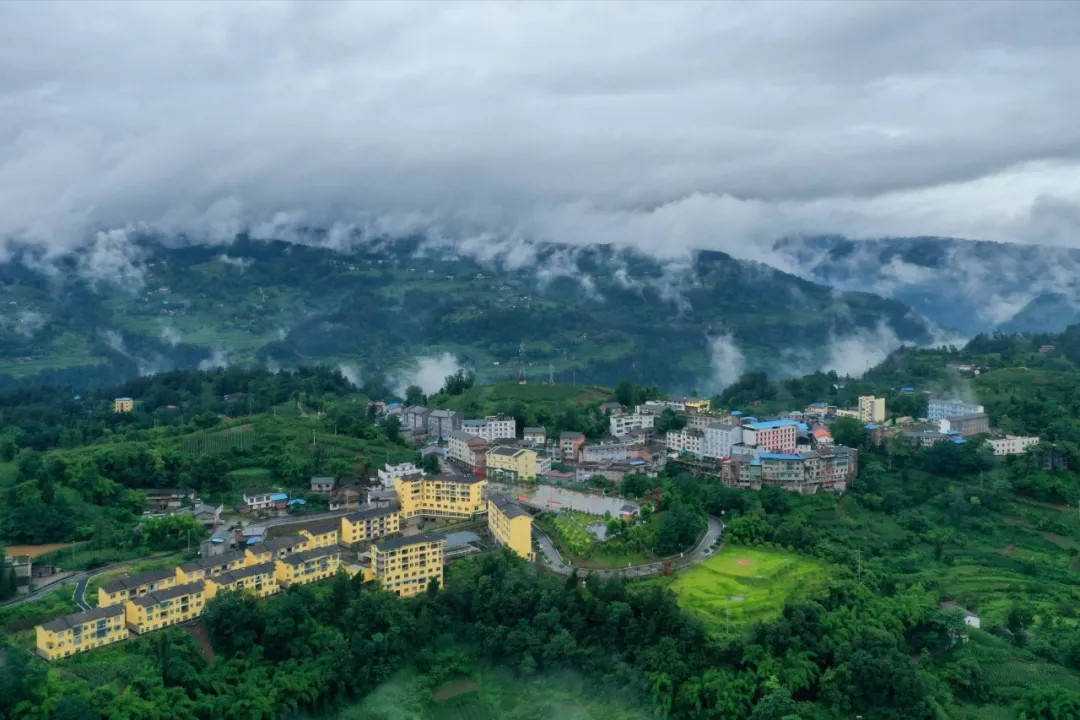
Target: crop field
(741,584)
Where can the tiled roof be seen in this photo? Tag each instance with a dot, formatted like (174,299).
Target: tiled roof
(70,621)
(133,581)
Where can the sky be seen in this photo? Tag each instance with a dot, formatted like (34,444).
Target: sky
(665,126)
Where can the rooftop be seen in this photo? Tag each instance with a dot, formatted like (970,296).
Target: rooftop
(771,424)
(372,512)
(133,581)
(570,435)
(69,621)
(169,594)
(388,544)
(505,451)
(780,456)
(280,542)
(506,506)
(212,561)
(319,526)
(232,576)
(302,557)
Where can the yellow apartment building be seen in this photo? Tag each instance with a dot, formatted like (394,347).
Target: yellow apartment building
(307,566)
(123,405)
(449,496)
(81,631)
(281,546)
(258,579)
(369,524)
(162,608)
(510,525)
(214,565)
(120,590)
(514,463)
(406,565)
(698,405)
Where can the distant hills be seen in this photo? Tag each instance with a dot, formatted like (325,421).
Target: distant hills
(962,285)
(586,314)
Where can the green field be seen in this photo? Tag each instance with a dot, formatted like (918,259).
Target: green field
(17,621)
(489,694)
(742,584)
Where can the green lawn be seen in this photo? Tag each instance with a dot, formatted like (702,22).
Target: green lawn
(742,584)
(18,621)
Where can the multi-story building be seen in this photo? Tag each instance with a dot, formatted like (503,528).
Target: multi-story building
(323,484)
(604,452)
(257,500)
(469,450)
(492,428)
(871,409)
(535,435)
(440,423)
(414,419)
(162,608)
(406,565)
(259,579)
(449,496)
(80,631)
(696,405)
(570,443)
(369,524)
(215,565)
(123,405)
(514,463)
(802,472)
(510,525)
(389,472)
(118,591)
(1012,444)
(773,435)
(687,440)
(717,439)
(965,425)
(620,424)
(307,566)
(938,409)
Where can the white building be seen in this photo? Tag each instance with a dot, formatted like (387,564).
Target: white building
(871,409)
(389,472)
(685,440)
(717,439)
(938,409)
(604,452)
(491,428)
(620,425)
(1012,444)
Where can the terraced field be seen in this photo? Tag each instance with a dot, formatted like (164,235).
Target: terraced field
(739,584)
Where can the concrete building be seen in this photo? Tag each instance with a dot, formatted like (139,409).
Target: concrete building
(469,450)
(535,435)
(163,608)
(1012,444)
(514,463)
(258,579)
(510,525)
(447,496)
(717,439)
(492,428)
(686,440)
(414,419)
(123,405)
(121,589)
(871,409)
(389,472)
(323,484)
(604,452)
(406,565)
(307,566)
(440,423)
(620,424)
(570,444)
(965,425)
(258,500)
(80,631)
(773,435)
(938,409)
(369,524)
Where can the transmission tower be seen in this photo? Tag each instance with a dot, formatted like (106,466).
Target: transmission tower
(521,363)
(551,374)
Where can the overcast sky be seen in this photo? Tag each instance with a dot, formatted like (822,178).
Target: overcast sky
(668,126)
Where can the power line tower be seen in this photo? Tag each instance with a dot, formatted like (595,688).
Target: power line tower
(551,374)
(521,363)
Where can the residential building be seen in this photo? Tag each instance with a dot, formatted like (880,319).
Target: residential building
(308,566)
(118,591)
(620,424)
(414,419)
(166,499)
(516,463)
(406,565)
(1012,444)
(965,425)
(614,472)
(535,436)
(938,409)
(852,413)
(257,500)
(369,524)
(822,436)
(570,443)
(162,608)
(717,439)
(802,472)
(80,631)
(610,408)
(510,525)
(686,440)
(389,472)
(323,484)
(215,565)
(469,450)
(492,428)
(440,423)
(346,498)
(258,579)
(774,435)
(871,409)
(450,496)
(123,405)
(697,405)
(604,452)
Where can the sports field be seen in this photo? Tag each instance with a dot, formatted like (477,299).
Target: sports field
(740,584)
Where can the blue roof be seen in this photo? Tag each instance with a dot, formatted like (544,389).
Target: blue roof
(959,440)
(298,501)
(635,461)
(736,412)
(755,461)
(770,424)
(870,426)
(802,426)
(819,404)
(279,496)
(780,456)
(907,387)
(393,404)
(217,539)
(254,539)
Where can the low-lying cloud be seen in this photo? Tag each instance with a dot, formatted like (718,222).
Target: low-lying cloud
(428,373)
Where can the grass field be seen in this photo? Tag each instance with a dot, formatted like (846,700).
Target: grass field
(741,584)
(489,694)
(18,621)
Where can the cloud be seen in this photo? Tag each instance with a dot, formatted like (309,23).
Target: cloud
(218,358)
(237,262)
(25,322)
(662,126)
(428,373)
(855,353)
(352,374)
(112,259)
(726,360)
(171,335)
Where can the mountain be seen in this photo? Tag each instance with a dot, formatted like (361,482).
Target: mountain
(962,285)
(590,314)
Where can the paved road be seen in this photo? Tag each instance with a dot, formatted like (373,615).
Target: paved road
(553,560)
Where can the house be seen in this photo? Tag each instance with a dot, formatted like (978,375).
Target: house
(258,579)
(406,565)
(1012,444)
(610,408)
(80,631)
(323,484)
(695,405)
(256,500)
(570,444)
(345,498)
(871,409)
(123,405)
(622,424)
(604,452)
(510,525)
(165,499)
(938,409)
(514,463)
(492,427)
(614,472)
(469,450)
(965,425)
(122,589)
(207,515)
(534,435)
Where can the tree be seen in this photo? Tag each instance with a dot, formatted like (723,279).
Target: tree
(667,420)
(234,620)
(458,383)
(392,428)
(414,395)
(625,394)
(849,431)
(430,464)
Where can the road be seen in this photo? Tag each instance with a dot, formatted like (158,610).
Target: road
(554,561)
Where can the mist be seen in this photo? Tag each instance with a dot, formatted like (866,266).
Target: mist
(428,373)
